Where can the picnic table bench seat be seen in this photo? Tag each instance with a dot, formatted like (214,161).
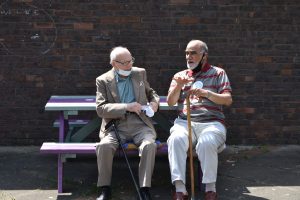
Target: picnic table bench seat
(62,149)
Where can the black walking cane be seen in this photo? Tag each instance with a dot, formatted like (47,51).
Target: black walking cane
(112,123)
(190,146)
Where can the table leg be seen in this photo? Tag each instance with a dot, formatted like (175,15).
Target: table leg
(63,127)
(60,174)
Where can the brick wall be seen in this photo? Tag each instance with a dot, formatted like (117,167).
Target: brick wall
(59,47)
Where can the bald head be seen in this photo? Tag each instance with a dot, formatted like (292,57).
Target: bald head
(199,45)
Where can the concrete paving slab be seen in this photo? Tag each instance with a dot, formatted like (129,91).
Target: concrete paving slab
(245,172)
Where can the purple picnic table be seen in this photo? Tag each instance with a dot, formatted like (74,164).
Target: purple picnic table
(71,105)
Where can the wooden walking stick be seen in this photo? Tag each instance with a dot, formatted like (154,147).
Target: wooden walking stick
(188,108)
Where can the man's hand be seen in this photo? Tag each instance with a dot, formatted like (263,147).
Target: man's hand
(134,107)
(183,80)
(200,93)
(154,106)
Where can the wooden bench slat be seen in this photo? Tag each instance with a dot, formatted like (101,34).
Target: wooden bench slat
(56,148)
(89,148)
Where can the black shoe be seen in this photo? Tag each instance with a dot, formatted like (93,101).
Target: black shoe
(145,194)
(105,193)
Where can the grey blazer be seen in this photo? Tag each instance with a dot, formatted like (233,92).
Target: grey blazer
(108,105)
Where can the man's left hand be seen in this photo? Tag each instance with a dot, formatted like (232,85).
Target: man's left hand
(200,93)
(154,106)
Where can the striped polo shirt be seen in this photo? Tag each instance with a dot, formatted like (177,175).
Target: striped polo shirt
(213,79)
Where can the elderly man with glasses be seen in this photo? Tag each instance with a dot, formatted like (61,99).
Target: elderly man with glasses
(122,92)
(208,89)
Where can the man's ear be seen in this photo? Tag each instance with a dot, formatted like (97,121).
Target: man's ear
(112,63)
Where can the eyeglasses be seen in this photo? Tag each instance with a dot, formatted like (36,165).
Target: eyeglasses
(126,62)
(192,53)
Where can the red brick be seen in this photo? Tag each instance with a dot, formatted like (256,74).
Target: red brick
(251,14)
(245,110)
(112,7)
(39,85)
(188,20)
(83,26)
(120,20)
(249,78)
(43,25)
(30,77)
(22,1)
(263,59)
(286,72)
(180,1)
(291,128)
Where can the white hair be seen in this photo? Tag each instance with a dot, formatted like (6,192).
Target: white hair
(117,51)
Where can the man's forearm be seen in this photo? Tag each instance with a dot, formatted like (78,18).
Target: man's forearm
(221,99)
(173,95)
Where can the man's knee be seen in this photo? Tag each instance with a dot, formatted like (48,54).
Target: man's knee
(104,147)
(177,138)
(207,143)
(149,145)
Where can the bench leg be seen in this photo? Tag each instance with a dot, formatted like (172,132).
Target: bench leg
(60,173)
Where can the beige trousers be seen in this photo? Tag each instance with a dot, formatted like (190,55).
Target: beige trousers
(132,128)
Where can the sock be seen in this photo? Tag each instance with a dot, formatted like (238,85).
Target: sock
(210,187)
(146,189)
(180,187)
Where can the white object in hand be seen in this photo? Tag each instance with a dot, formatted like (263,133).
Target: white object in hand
(148,110)
(197,85)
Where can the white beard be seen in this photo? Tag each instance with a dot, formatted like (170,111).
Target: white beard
(192,65)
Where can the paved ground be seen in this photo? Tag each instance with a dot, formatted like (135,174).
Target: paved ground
(251,173)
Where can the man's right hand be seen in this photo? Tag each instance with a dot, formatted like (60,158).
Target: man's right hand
(181,81)
(134,107)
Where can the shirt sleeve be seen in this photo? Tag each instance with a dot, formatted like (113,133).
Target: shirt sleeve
(223,83)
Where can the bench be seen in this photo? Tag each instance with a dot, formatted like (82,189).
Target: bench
(62,149)
(69,150)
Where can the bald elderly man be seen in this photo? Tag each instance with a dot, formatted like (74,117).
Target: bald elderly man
(121,93)
(209,90)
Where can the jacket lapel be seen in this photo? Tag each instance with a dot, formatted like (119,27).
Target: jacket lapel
(136,85)
(112,85)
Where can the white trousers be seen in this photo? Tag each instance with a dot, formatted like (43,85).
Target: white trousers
(208,140)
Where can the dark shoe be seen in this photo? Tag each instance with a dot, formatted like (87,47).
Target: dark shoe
(180,196)
(105,193)
(145,194)
(210,196)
